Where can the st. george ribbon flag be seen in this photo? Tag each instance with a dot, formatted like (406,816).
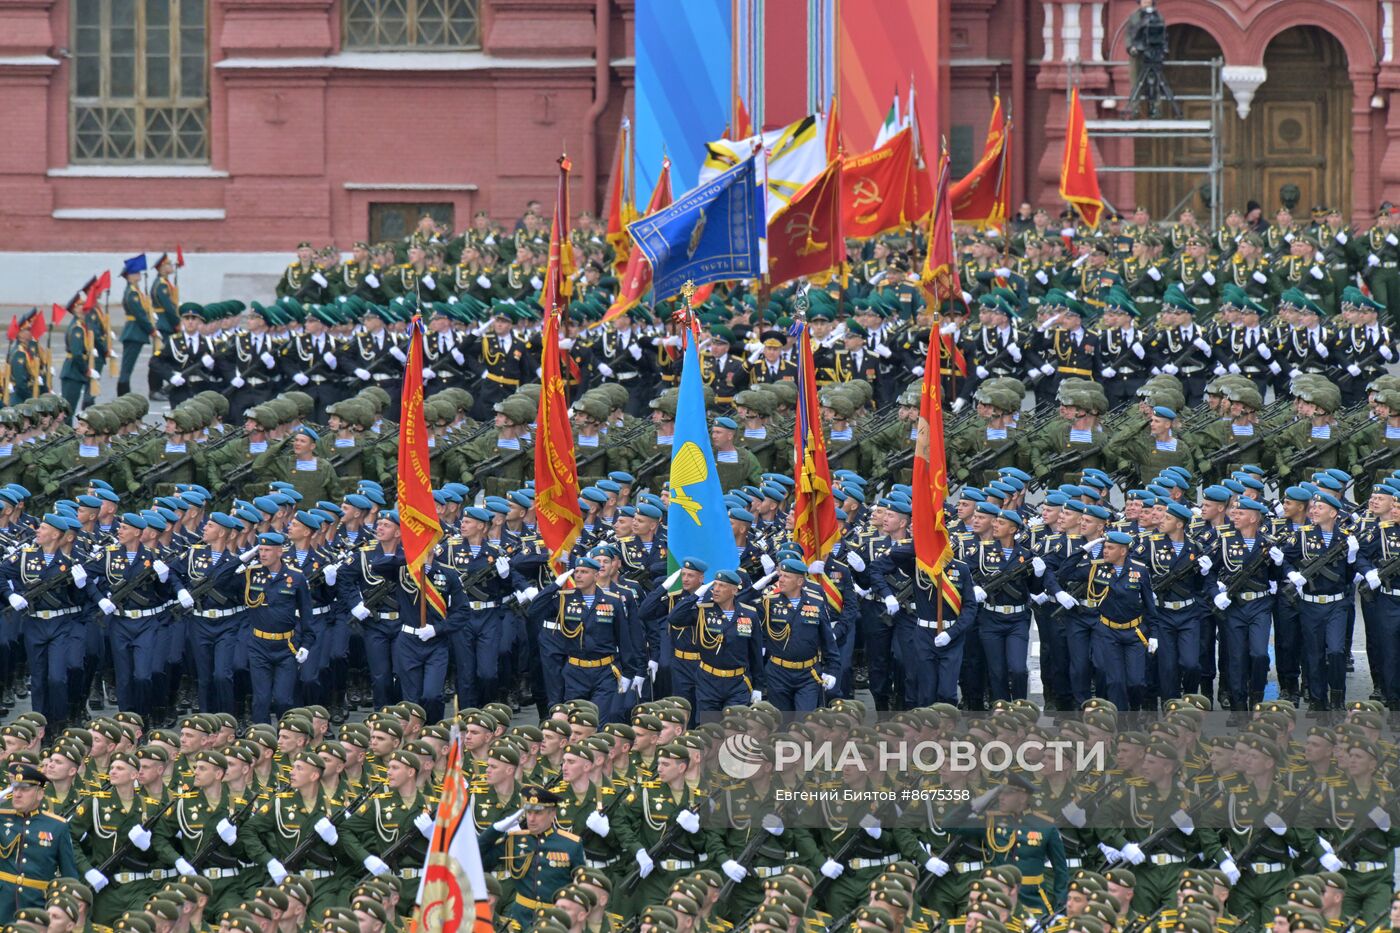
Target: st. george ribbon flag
(713,233)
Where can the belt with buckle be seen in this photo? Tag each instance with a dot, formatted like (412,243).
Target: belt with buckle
(1389,265)
(1325,598)
(1266,868)
(218,874)
(503,380)
(408,629)
(549,626)
(56,613)
(930,623)
(1076,371)
(686,655)
(601,863)
(218,613)
(409,873)
(676,864)
(1389,592)
(961,867)
(321,610)
(155,874)
(1164,858)
(584,662)
(387,616)
(1072,862)
(1120,626)
(1250,597)
(722,671)
(1033,879)
(767,871)
(1005,610)
(37,884)
(316,873)
(530,902)
(1178,604)
(491,604)
(141,613)
(795,665)
(1367,866)
(272,636)
(859,863)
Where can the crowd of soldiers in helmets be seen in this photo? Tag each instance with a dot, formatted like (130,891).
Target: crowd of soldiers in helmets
(1192,545)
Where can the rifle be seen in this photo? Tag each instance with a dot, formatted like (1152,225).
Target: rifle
(397,846)
(499,461)
(663,843)
(131,583)
(236,819)
(1243,575)
(873,425)
(127,845)
(153,476)
(1318,566)
(61,482)
(750,849)
(1261,835)
(1365,364)
(1231,453)
(1377,459)
(1350,840)
(842,852)
(1062,461)
(293,860)
(1187,815)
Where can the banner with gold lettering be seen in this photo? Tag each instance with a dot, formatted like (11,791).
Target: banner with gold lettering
(418,516)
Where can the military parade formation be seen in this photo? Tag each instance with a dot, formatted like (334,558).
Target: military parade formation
(1175,462)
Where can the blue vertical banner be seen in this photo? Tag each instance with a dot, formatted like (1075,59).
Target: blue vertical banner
(697,522)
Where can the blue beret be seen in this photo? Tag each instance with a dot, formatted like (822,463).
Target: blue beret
(374,495)
(841,515)
(608,485)
(793,565)
(249,515)
(18,490)
(988,508)
(56,521)
(1074,490)
(1330,499)
(518,497)
(728,576)
(308,432)
(741,515)
(272,538)
(280,485)
(325,505)
(1216,493)
(1341,476)
(1298,494)
(902,507)
(621,476)
(853,492)
(652,498)
(168,514)
(477,513)
(370,484)
(1161,492)
(1018,473)
(696,564)
(497,505)
(1074,505)
(843,474)
(154,520)
(309,520)
(973,494)
(1095,483)
(1118,537)
(266,504)
(1099,512)
(1254,505)
(1004,488)
(647,510)
(357,501)
(65,505)
(1250,482)
(605,550)
(1170,481)
(594,494)
(90,502)
(391,515)
(1056,500)
(789,482)
(773,491)
(588,563)
(1180,511)
(100,484)
(443,496)
(284,498)
(225,520)
(1233,485)
(728,423)
(1180,471)
(1149,500)
(790,549)
(1137,494)
(1097,473)
(1330,483)
(193,498)
(73,523)
(627,511)
(1013,517)
(107,495)
(9,497)
(1015,484)
(1383,489)
(1253,469)
(1162,411)
(992,492)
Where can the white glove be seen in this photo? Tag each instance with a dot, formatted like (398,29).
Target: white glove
(688,821)
(1066,231)
(536,281)
(672,341)
(107,606)
(1133,853)
(1330,862)
(942,640)
(227,831)
(1074,813)
(979,594)
(636,684)
(507,823)
(1264,352)
(1316,273)
(79,576)
(1002,271)
(1231,871)
(598,822)
(1276,555)
(1297,579)
(1260,277)
(527,594)
(458,358)
(95,879)
(1138,350)
(424,823)
(375,865)
(140,837)
(177,380)
(1321,349)
(1380,819)
(1373,260)
(1014,352)
(398,354)
(756,697)
(268,360)
(816,567)
(1373,579)
(185,598)
(1200,344)
(563,578)
(1386,353)
(891,605)
(832,869)
(332,572)
(1154,273)
(959,404)
(483,281)
(623,685)
(1222,601)
(1353,548)
(1273,587)
(207,360)
(767,563)
(18,603)
(1151,646)
(162,569)
(238,381)
(635,351)
(1109,372)
(362,374)
(319,279)
(855,561)
(644,862)
(1274,367)
(871,826)
(329,357)
(1110,853)
(882,351)
(301,655)
(936,866)
(503,566)
(1220,369)
(735,871)
(1041,277)
(652,668)
(1341,238)
(1038,566)
(428,373)
(1047,369)
(1066,600)
(1205,563)
(1208,277)
(184,867)
(359,611)
(982,372)
(1171,369)
(606,370)
(371,280)
(1390,238)
(425,633)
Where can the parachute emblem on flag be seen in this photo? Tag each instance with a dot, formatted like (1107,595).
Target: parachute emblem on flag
(867,194)
(688,468)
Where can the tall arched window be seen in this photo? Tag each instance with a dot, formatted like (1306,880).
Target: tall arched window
(140,81)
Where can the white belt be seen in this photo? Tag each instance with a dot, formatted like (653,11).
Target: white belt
(1250,597)
(676,864)
(1178,604)
(1266,868)
(859,863)
(600,863)
(387,616)
(156,874)
(492,604)
(962,867)
(767,871)
(218,613)
(1389,592)
(409,873)
(56,613)
(551,626)
(316,874)
(1163,858)
(216,874)
(321,610)
(1069,863)
(1324,600)
(1005,610)
(409,630)
(931,623)
(1367,866)
(141,613)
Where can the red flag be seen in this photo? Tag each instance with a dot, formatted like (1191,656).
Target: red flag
(875,187)
(179,257)
(556,471)
(743,125)
(621,210)
(932,547)
(13,332)
(1079,181)
(804,238)
(95,290)
(57,314)
(452,877)
(814,510)
(980,196)
(637,279)
(418,516)
(39,327)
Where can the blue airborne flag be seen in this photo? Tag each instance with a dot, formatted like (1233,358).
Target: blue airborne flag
(714,233)
(697,523)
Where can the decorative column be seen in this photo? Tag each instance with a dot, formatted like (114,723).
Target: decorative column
(1365,195)
(1069,59)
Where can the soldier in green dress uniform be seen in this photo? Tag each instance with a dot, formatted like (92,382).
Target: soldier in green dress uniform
(35,845)
(86,342)
(165,296)
(140,321)
(122,819)
(1013,834)
(539,858)
(397,819)
(296,274)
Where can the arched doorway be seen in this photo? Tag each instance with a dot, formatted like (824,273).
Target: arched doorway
(1298,131)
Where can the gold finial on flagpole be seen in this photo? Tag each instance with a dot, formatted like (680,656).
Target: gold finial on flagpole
(687,290)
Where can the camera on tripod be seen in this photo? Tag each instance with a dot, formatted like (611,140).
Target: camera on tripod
(1148,46)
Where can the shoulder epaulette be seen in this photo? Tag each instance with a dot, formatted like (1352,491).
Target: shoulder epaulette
(566,834)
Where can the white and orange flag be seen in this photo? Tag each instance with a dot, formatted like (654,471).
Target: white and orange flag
(452,890)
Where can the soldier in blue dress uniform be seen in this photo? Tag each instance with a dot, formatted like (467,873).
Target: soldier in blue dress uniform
(1181,609)
(1120,590)
(35,845)
(278,603)
(799,641)
(208,567)
(421,650)
(727,638)
(933,647)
